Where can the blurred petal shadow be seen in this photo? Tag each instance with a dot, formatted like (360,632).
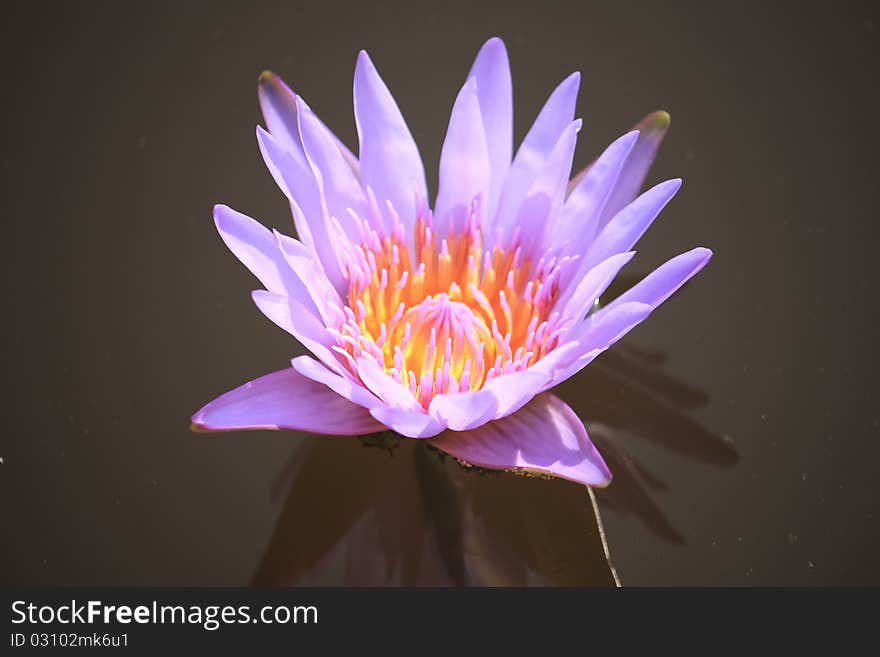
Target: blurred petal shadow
(628,493)
(623,392)
(626,390)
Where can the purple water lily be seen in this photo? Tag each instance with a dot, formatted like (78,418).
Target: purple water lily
(448,324)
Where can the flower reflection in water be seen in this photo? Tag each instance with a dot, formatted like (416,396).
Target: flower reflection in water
(359,517)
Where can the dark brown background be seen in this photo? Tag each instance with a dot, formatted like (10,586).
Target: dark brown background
(123,123)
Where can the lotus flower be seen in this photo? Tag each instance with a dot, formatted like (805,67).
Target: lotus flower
(448,324)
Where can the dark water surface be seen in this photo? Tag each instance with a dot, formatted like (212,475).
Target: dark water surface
(741,420)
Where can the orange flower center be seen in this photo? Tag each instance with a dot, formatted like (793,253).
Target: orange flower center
(447,317)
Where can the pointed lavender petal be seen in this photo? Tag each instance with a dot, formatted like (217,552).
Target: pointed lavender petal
(553,118)
(296,180)
(491,69)
(390,162)
(387,389)
(285,400)
(341,385)
(255,246)
(628,225)
(291,315)
(464,163)
(304,264)
(602,329)
(401,411)
(409,423)
(340,189)
(651,129)
(515,390)
(465,410)
(557,113)
(544,436)
(609,324)
(278,104)
(659,285)
(596,334)
(291,171)
(541,205)
(578,222)
(588,288)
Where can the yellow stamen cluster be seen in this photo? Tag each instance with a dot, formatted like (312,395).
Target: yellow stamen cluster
(446,315)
